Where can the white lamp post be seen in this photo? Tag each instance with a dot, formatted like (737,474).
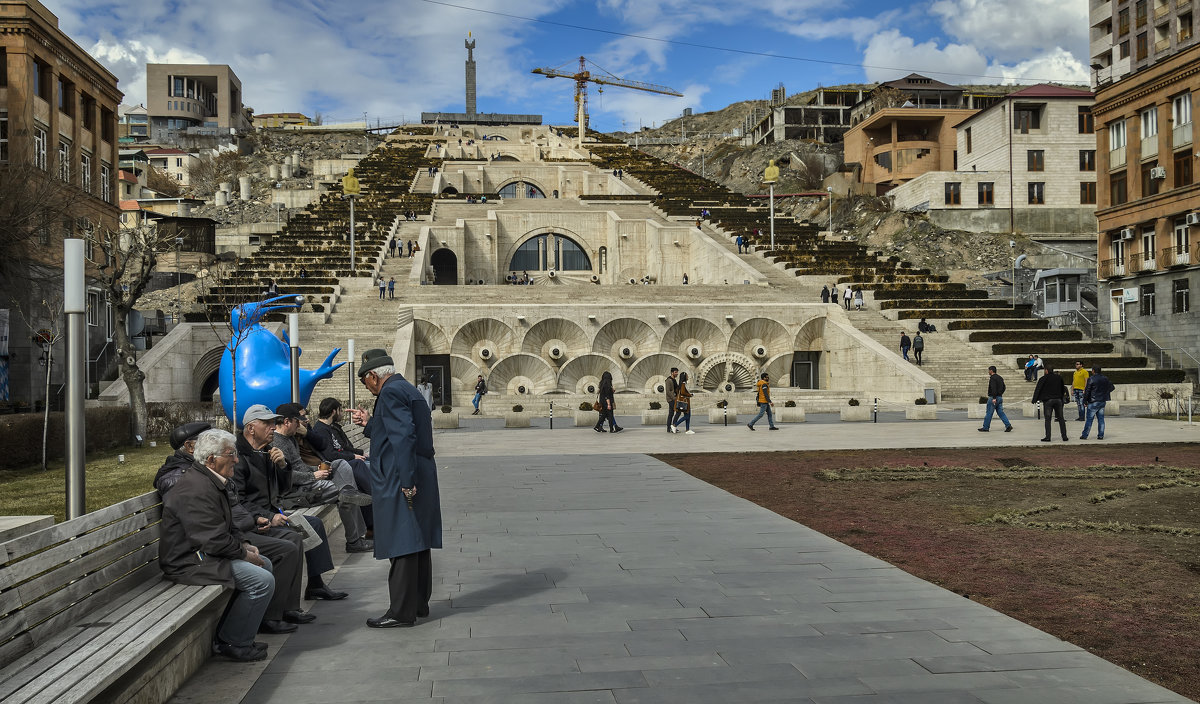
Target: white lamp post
(770,176)
(829,190)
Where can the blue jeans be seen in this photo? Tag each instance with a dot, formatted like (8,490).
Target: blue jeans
(904,352)
(764,408)
(998,409)
(684,417)
(1078,394)
(254,586)
(475,401)
(1095,410)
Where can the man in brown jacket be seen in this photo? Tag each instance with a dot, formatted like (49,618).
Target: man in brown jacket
(200,545)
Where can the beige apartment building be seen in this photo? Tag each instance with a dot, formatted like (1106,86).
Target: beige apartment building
(1127,36)
(58,124)
(1026,164)
(1149,202)
(196,97)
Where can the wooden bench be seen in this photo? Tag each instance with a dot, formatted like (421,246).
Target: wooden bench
(86,615)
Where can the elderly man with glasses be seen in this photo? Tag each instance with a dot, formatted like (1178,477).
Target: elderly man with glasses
(404,486)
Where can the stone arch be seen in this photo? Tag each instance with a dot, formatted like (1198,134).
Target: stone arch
(515,371)
(780,369)
(648,373)
(575,237)
(428,338)
(473,338)
(760,339)
(694,339)
(546,337)
(203,371)
(505,157)
(811,337)
(585,371)
(727,367)
(444,263)
(622,334)
(450,190)
(526,182)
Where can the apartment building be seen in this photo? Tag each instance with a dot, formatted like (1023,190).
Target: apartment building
(1149,199)
(58,125)
(1127,36)
(824,116)
(194,99)
(1026,164)
(276,120)
(175,163)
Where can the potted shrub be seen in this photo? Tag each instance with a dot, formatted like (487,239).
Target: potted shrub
(921,409)
(447,419)
(587,414)
(854,411)
(656,415)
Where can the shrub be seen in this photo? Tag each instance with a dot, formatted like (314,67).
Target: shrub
(21,434)
(655,405)
(1024,335)
(585,405)
(789,404)
(983,400)
(1165,393)
(853,402)
(518,408)
(446,408)
(722,404)
(921,401)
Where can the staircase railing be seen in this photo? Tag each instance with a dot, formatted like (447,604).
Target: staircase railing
(1168,357)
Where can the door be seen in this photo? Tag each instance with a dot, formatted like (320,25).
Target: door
(1116,312)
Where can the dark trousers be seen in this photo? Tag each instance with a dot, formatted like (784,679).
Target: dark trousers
(917,356)
(318,560)
(284,554)
(410,584)
(607,414)
(1055,406)
(672,414)
(362,480)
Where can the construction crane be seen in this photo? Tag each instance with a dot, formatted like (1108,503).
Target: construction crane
(584,76)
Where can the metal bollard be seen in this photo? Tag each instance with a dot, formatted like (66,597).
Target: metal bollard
(875,410)
(552,415)
(725,413)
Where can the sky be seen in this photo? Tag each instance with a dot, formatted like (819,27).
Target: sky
(393,59)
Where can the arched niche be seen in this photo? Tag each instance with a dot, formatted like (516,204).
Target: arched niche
(626,339)
(581,375)
(556,340)
(694,339)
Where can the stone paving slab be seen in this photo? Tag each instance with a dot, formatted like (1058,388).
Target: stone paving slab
(617,579)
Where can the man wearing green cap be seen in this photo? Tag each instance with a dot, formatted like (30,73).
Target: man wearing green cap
(404,488)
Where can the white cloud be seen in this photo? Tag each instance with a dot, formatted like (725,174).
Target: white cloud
(1014,30)
(890,55)
(636,107)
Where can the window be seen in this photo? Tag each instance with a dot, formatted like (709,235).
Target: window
(1123,49)
(106,183)
(1037,193)
(1087,123)
(1183,168)
(1140,13)
(39,148)
(1087,159)
(1027,118)
(66,97)
(1185,27)
(1150,184)
(64,160)
(1087,193)
(1035,160)
(1149,120)
(968,134)
(1181,236)
(1118,192)
(87,111)
(1123,22)
(43,229)
(108,122)
(987,193)
(85,172)
(3,136)
(179,162)
(1149,246)
(176,86)
(1143,47)
(1146,296)
(3,66)
(93,308)
(953,193)
(41,79)
(545,252)
(1116,135)
(1181,299)
(1181,109)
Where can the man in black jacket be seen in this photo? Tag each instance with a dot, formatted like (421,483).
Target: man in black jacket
(995,404)
(671,391)
(1051,391)
(261,477)
(200,545)
(183,441)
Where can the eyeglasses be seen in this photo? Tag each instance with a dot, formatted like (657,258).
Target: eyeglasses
(230,453)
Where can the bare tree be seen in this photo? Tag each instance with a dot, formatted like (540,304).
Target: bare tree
(50,309)
(210,170)
(888,97)
(161,182)
(33,205)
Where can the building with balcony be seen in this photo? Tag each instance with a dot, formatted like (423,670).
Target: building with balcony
(917,91)
(1149,199)
(276,120)
(175,163)
(896,145)
(58,149)
(134,125)
(1127,36)
(1026,164)
(194,99)
(821,116)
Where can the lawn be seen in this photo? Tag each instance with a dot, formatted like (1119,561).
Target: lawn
(1096,544)
(30,491)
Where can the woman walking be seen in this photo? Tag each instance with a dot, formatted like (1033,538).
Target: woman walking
(683,406)
(607,405)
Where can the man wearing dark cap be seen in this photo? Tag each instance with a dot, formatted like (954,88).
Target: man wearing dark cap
(183,441)
(404,486)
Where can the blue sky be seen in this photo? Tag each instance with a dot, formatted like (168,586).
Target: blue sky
(396,58)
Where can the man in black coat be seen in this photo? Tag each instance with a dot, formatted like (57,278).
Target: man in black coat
(261,477)
(200,545)
(183,441)
(1051,391)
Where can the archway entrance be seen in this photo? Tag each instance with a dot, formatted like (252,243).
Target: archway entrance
(521,189)
(445,267)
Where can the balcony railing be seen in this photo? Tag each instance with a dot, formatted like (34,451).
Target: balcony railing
(1144,261)
(1110,268)
(1149,146)
(1100,13)
(1162,45)
(1116,158)
(1161,10)
(1182,135)
(1176,256)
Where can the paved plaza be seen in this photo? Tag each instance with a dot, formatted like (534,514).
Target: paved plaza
(577,569)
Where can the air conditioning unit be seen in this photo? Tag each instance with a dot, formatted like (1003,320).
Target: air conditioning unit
(1193,218)
(1158,172)
(1127,234)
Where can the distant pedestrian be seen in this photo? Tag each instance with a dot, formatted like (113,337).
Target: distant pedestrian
(608,405)
(480,392)
(858,298)
(1031,368)
(683,406)
(905,345)
(1078,385)
(918,348)
(671,390)
(1051,391)
(995,404)
(763,396)
(391,246)
(847,294)
(382,287)
(740,242)
(685,279)
(1096,395)
(833,296)
(824,294)
(392,288)
(410,247)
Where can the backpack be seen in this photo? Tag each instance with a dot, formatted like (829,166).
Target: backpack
(919,343)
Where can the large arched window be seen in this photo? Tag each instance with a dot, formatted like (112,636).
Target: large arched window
(552,251)
(516,189)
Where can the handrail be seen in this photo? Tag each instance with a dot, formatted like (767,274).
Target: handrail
(1079,319)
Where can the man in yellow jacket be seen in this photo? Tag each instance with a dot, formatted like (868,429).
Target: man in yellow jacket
(1078,384)
(764,403)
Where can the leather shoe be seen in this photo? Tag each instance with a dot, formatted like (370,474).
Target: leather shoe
(361,545)
(240,653)
(1008,428)
(297,616)
(276,627)
(982,430)
(389,622)
(354,497)
(1045,439)
(324,594)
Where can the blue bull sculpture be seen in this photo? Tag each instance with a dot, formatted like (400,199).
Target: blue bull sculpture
(264,371)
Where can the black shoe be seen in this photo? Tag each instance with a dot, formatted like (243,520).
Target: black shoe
(298,617)
(773,427)
(1045,439)
(361,545)
(982,430)
(1008,428)
(1064,439)
(240,653)
(475,412)
(354,497)
(1099,437)
(616,429)
(750,426)
(276,627)
(598,429)
(324,593)
(389,622)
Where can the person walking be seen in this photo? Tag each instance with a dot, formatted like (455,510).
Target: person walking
(480,392)
(683,406)
(858,298)
(392,288)
(905,345)
(426,391)
(404,488)
(685,279)
(1078,384)
(740,241)
(918,347)
(824,294)
(392,246)
(763,396)
(608,405)
(847,294)
(995,404)
(410,248)
(671,390)
(1097,393)
(1051,390)
(382,287)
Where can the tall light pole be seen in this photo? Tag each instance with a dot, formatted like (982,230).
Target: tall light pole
(178,283)
(829,190)
(294,343)
(770,176)
(75,308)
(350,190)
(1012,247)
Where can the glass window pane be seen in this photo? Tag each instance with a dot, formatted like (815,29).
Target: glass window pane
(573,257)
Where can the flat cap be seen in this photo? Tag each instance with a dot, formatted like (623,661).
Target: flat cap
(373,359)
(187,431)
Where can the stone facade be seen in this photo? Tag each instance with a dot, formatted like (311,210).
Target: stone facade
(183,96)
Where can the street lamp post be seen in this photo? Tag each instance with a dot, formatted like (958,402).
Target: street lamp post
(770,176)
(350,189)
(178,282)
(75,308)
(294,342)
(829,190)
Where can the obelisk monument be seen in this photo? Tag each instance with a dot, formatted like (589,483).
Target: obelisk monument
(470,44)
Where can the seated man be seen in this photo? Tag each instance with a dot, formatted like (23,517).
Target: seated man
(200,545)
(262,477)
(328,442)
(183,441)
(324,483)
